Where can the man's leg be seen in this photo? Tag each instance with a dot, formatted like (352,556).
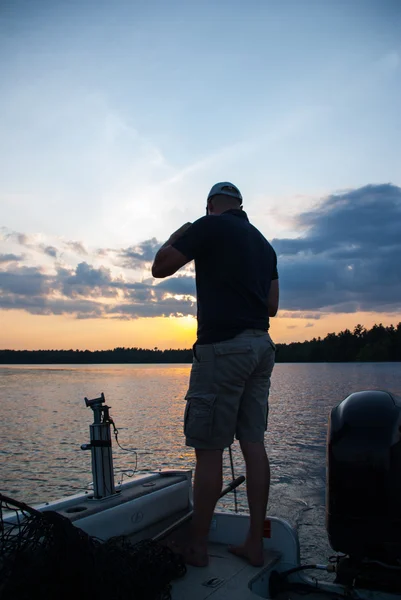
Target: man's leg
(207,488)
(251,426)
(257,487)
(218,377)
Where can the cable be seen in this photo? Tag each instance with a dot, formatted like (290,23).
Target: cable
(115,431)
(128,473)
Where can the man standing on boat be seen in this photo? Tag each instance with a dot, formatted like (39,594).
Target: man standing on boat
(237,291)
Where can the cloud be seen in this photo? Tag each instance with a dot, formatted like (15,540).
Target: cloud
(88,292)
(52,247)
(283,314)
(14,236)
(23,239)
(87,281)
(136,256)
(180,286)
(50,251)
(76,247)
(43,305)
(349,220)
(347,258)
(167,307)
(102,252)
(7,258)
(24,281)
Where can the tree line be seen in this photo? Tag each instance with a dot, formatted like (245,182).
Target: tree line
(376,344)
(365,345)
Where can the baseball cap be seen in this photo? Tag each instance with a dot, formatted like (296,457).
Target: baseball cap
(227,189)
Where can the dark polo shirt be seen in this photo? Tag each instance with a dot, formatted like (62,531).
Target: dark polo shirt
(234,267)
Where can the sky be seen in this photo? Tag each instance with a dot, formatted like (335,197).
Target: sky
(118,117)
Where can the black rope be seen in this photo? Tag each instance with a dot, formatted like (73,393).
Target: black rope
(42,554)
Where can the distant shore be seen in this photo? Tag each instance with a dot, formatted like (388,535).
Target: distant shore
(379,344)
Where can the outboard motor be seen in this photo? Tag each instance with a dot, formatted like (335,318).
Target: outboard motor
(363,509)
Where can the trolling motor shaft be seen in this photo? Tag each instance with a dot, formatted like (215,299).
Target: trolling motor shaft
(100,447)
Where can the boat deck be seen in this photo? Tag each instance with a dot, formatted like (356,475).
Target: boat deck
(226,577)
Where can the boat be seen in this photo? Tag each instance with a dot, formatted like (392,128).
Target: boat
(363,514)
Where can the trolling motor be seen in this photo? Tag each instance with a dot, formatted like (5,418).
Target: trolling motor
(100,446)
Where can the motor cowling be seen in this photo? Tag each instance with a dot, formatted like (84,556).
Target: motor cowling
(363,508)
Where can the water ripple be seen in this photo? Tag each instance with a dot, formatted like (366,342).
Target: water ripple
(46,423)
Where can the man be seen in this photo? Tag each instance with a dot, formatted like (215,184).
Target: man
(237,292)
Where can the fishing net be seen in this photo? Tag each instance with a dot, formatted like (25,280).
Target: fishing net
(42,555)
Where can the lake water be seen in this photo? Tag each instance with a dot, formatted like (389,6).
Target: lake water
(45,421)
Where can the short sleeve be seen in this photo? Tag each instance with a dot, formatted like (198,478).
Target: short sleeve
(196,238)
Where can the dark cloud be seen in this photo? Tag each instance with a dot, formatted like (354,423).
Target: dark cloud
(135,256)
(7,258)
(181,286)
(86,292)
(88,276)
(348,256)
(310,325)
(44,305)
(346,259)
(349,223)
(24,281)
(141,292)
(87,281)
(300,315)
(50,251)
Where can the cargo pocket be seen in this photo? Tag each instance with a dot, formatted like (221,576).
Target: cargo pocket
(198,416)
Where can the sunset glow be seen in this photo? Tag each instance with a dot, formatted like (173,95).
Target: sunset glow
(116,122)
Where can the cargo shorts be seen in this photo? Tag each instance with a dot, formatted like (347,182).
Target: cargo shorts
(229,391)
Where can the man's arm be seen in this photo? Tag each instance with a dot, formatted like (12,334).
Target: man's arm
(168,260)
(272,299)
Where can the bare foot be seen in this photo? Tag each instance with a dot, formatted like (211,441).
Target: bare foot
(253,555)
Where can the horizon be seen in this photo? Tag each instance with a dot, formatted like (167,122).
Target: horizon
(156,349)
(117,120)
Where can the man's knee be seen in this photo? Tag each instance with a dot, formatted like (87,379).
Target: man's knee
(252,449)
